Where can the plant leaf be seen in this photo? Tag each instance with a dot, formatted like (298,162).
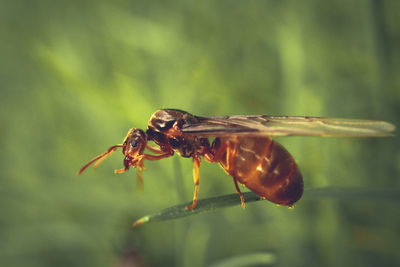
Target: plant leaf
(208,204)
(211,204)
(252,259)
(376,194)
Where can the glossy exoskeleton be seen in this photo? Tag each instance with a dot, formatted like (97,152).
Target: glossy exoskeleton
(242,145)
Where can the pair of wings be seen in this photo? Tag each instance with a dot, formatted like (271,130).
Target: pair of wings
(264,125)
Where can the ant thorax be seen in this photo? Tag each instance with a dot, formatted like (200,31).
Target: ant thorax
(164,129)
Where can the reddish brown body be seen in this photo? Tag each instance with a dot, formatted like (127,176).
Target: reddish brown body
(263,166)
(242,146)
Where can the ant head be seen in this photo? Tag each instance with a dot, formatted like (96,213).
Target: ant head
(133,146)
(134,143)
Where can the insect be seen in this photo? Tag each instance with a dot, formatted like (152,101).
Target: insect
(242,145)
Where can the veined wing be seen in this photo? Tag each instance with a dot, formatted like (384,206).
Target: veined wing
(286,126)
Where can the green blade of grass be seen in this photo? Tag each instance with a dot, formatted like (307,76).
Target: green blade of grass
(214,203)
(252,259)
(376,194)
(208,204)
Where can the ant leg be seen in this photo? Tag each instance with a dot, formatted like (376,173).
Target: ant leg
(141,167)
(156,157)
(121,170)
(216,153)
(211,154)
(139,162)
(196,165)
(155,149)
(128,161)
(230,156)
(239,192)
(139,175)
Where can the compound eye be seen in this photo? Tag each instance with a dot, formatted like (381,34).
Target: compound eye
(134,143)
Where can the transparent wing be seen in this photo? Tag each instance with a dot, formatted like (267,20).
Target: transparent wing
(286,126)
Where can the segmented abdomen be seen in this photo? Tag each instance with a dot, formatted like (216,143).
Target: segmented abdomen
(265,167)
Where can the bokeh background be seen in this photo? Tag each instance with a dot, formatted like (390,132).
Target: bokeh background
(76,75)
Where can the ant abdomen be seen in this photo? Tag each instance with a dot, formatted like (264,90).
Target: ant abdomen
(264,166)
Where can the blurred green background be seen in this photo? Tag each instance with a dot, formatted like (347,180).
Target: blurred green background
(76,75)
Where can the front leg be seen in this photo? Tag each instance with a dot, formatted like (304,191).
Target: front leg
(141,166)
(139,163)
(155,149)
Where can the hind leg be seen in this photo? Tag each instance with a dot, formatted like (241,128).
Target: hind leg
(196,165)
